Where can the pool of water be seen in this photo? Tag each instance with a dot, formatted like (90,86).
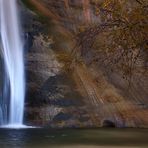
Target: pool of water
(73,138)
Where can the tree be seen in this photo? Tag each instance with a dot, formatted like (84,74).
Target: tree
(121,35)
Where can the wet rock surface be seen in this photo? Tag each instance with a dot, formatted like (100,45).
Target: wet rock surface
(85,97)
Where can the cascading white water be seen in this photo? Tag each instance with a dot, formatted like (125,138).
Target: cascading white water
(12,49)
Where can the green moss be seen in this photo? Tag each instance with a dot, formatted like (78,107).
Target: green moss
(41,18)
(49,25)
(29,5)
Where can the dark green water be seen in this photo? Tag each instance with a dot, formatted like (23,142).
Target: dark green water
(76,138)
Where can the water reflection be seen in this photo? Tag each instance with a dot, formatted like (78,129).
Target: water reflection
(47,138)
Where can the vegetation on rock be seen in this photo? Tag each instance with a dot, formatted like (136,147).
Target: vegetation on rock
(120,37)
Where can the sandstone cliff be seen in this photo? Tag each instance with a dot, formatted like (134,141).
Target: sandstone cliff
(87,95)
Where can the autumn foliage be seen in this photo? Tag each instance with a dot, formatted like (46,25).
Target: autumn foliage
(120,37)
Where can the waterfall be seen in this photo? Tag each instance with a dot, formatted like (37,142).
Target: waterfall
(12,52)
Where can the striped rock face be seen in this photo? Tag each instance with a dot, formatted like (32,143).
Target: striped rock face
(87,96)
